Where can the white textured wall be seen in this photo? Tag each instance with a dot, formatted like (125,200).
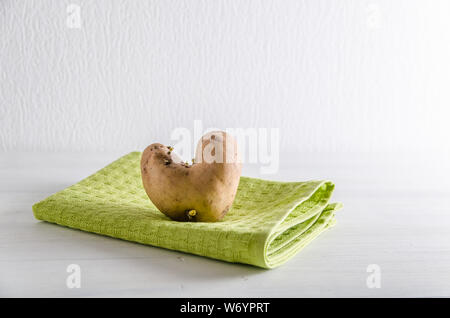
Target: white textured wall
(333,75)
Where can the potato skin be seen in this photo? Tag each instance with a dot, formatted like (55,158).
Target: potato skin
(208,186)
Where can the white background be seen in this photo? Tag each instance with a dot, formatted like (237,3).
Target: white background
(333,76)
(360,91)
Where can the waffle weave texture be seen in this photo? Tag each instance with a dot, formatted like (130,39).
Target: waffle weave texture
(267,225)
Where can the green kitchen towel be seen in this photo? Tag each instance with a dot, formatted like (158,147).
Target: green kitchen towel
(267,225)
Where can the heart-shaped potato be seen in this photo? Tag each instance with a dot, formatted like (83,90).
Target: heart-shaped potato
(203,191)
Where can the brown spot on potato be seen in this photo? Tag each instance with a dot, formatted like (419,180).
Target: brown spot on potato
(225,210)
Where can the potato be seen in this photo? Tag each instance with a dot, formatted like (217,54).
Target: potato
(201,192)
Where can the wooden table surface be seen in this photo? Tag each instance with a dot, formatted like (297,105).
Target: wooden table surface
(396,215)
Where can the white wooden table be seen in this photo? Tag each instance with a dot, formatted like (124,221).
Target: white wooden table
(396,215)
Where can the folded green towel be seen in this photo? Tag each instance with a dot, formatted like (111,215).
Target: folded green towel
(268,223)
